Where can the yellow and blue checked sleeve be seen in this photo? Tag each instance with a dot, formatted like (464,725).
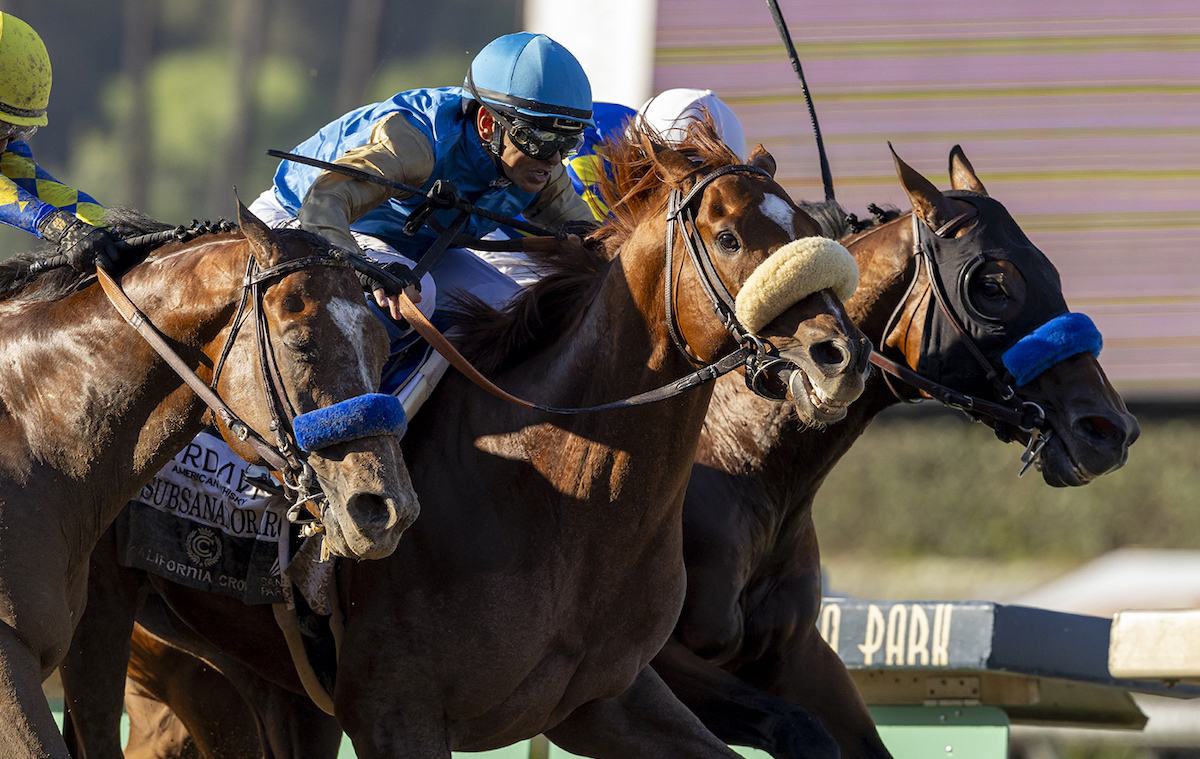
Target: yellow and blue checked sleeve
(28,193)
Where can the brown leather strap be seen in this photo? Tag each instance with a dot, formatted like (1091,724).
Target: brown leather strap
(438,341)
(151,335)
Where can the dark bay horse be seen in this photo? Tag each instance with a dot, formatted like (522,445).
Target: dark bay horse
(546,570)
(89,412)
(746,650)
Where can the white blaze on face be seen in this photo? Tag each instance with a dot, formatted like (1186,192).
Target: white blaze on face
(348,318)
(781,212)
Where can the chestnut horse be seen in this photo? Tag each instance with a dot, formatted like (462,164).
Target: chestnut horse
(546,570)
(748,627)
(89,412)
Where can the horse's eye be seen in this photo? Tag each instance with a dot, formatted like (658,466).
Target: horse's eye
(997,290)
(991,289)
(728,241)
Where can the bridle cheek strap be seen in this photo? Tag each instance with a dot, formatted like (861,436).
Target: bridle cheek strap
(1063,336)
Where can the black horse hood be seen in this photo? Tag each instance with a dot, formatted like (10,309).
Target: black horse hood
(992,236)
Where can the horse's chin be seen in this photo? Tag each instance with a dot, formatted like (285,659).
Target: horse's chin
(815,405)
(1060,469)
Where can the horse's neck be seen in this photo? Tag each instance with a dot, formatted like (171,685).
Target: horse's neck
(618,348)
(91,400)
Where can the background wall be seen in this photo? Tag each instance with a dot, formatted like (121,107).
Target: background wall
(1082,116)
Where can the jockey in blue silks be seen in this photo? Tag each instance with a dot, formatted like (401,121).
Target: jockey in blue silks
(31,199)
(500,139)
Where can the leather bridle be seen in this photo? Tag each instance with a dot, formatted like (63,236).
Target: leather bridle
(1026,416)
(758,356)
(284,454)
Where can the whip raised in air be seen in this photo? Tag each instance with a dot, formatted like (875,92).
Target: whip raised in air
(781,25)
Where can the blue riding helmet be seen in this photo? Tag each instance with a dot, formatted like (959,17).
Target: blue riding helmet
(531,77)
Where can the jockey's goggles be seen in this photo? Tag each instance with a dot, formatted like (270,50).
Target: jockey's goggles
(542,144)
(16,132)
(538,141)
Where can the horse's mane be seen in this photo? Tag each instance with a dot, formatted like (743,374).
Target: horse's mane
(17,283)
(635,184)
(837,224)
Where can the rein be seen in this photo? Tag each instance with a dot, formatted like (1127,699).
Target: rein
(754,353)
(285,455)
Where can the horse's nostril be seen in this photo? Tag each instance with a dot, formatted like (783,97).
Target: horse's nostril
(831,354)
(1099,428)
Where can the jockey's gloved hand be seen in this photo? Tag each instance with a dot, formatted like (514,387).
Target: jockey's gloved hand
(580,229)
(396,269)
(80,243)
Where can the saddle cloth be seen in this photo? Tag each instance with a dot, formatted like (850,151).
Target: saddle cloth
(200,524)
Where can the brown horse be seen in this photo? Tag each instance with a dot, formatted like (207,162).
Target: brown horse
(748,627)
(546,570)
(89,412)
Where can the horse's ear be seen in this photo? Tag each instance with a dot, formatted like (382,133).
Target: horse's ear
(264,243)
(675,165)
(962,175)
(761,159)
(927,201)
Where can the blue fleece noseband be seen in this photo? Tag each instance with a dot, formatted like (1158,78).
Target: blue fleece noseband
(1062,337)
(363,416)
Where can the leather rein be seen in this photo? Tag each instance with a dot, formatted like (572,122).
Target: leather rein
(284,455)
(753,352)
(1026,416)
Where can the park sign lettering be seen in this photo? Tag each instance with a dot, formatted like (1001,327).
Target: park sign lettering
(878,635)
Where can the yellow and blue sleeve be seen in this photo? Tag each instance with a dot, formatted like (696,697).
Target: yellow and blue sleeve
(28,194)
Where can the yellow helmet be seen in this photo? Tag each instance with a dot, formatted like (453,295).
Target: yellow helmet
(24,73)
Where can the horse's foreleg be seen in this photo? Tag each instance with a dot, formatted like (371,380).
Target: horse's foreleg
(28,729)
(154,730)
(808,673)
(739,713)
(647,720)
(93,672)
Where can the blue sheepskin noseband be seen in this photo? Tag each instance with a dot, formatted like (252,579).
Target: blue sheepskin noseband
(362,416)
(1062,337)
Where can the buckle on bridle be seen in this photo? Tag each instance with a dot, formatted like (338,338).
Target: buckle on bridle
(1034,422)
